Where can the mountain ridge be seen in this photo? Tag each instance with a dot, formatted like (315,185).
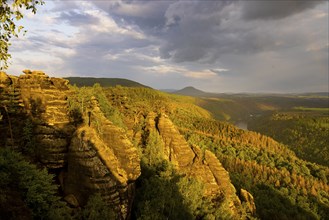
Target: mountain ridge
(105,82)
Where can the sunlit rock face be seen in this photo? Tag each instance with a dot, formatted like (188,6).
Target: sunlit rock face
(94,167)
(193,161)
(44,99)
(249,200)
(88,159)
(103,160)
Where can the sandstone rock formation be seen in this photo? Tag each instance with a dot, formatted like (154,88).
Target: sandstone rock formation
(101,159)
(45,102)
(95,159)
(249,200)
(4,79)
(191,160)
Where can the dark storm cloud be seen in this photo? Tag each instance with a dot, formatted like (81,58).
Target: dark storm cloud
(147,15)
(203,31)
(269,9)
(191,30)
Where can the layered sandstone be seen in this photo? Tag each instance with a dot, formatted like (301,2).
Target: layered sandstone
(191,160)
(103,160)
(38,98)
(89,159)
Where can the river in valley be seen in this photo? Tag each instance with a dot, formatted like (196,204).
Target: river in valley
(242,124)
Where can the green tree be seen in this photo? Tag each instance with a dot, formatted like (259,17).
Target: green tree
(96,209)
(10,13)
(34,188)
(153,152)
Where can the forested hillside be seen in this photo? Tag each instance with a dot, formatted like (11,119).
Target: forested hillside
(164,189)
(105,82)
(242,107)
(284,186)
(304,130)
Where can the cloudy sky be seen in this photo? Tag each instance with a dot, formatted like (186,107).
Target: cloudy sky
(214,45)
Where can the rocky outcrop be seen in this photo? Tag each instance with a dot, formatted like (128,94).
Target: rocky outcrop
(248,199)
(176,148)
(191,160)
(116,139)
(102,159)
(41,99)
(44,99)
(97,158)
(5,80)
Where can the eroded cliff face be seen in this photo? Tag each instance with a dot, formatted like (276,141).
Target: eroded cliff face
(194,162)
(44,100)
(88,159)
(41,100)
(102,159)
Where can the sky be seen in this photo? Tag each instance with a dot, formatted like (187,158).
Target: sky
(214,45)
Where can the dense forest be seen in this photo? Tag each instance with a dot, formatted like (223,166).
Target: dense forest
(304,130)
(283,185)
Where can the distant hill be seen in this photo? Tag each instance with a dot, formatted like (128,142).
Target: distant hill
(105,82)
(315,94)
(191,91)
(168,90)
